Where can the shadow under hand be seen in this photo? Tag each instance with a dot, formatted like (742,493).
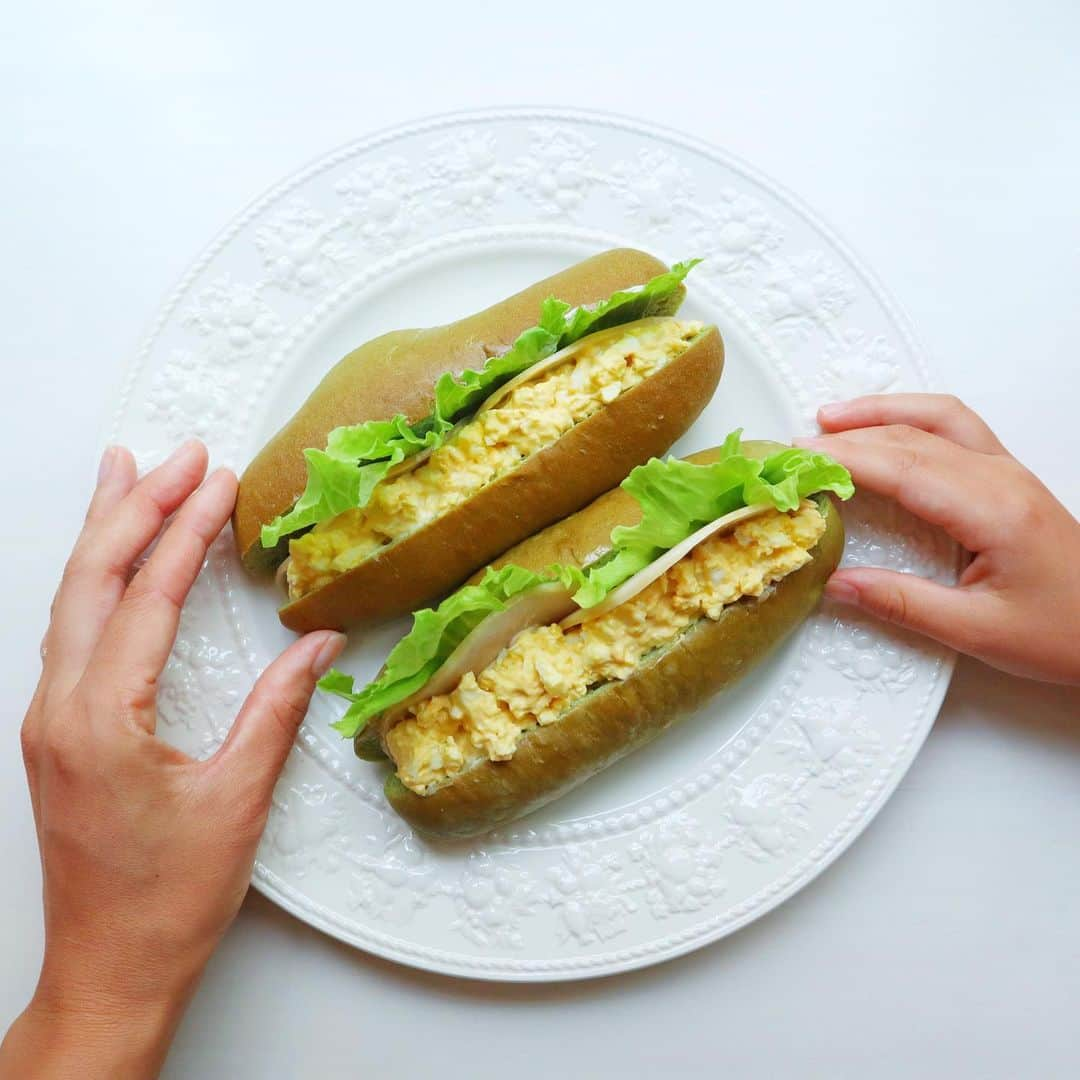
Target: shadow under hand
(981,695)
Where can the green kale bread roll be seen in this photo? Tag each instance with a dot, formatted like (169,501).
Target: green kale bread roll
(435,466)
(591,638)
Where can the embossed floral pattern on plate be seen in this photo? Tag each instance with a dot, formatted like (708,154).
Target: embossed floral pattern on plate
(790,783)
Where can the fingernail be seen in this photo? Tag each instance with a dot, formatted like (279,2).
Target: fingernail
(108,463)
(833,408)
(329,652)
(843,591)
(220,475)
(182,452)
(806,441)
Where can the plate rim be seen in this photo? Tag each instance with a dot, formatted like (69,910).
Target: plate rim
(844,833)
(419,125)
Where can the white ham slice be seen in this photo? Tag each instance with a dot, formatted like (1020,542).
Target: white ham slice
(407,465)
(644,578)
(537,607)
(613,333)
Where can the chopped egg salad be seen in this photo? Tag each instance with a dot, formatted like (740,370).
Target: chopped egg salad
(545,670)
(531,417)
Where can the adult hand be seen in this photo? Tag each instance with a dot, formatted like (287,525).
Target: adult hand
(146,853)
(1017,604)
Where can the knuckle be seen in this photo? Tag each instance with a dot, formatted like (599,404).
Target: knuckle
(29,743)
(906,435)
(1028,512)
(140,593)
(908,461)
(1026,481)
(904,432)
(132,698)
(57,745)
(1025,503)
(894,605)
(88,565)
(150,502)
(77,567)
(146,592)
(285,708)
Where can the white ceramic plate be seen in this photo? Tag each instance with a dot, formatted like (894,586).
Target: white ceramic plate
(742,804)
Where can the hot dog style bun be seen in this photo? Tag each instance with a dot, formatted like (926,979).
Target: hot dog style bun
(396,373)
(455,443)
(690,574)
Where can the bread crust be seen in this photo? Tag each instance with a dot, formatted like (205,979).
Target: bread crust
(591,458)
(577,541)
(396,373)
(618,717)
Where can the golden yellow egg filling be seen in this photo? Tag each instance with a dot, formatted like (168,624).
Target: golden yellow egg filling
(531,417)
(545,670)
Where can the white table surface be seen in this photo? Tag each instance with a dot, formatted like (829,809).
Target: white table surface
(940,139)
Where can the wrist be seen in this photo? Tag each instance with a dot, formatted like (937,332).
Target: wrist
(132,974)
(97,1019)
(70,1034)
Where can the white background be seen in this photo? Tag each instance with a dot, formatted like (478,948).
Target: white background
(941,139)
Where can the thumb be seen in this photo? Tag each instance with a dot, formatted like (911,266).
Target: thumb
(957,617)
(256,748)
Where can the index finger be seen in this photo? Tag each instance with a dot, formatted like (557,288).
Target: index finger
(137,640)
(935,479)
(938,414)
(123,520)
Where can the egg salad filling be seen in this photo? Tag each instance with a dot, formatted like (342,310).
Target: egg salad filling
(545,670)
(532,416)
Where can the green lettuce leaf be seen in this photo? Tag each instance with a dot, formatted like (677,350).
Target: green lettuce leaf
(435,634)
(459,395)
(660,296)
(677,498)
(343,476)
(560,326)
(358,457)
